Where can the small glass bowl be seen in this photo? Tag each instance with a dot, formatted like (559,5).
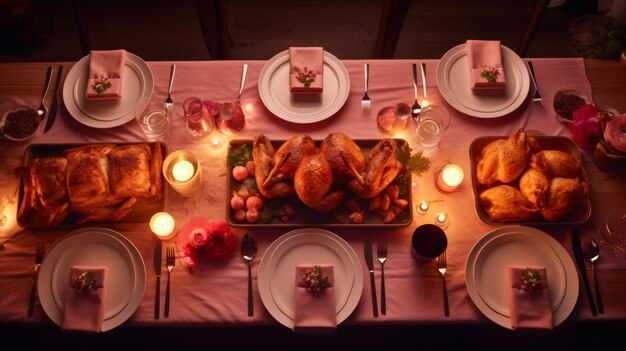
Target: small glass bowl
(20,123)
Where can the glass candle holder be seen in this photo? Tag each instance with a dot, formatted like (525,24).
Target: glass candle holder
(182,172)
(449,178)
(198,121)
(393,119)
(162,224)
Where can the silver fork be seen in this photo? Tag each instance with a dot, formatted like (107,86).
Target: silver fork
(382,257)
(169,103)
(170,263)
(442,264)
(39,254)
(536,95)
(365,101)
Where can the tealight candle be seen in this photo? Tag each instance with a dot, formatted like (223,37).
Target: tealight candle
(216,141)
(449,178)
(182,170)
(183,173)
(423,207)
(162,225)
(442,220)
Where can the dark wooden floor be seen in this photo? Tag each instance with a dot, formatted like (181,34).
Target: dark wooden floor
(170,30)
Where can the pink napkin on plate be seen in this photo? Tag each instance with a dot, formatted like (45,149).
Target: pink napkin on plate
(83,310)
(530,308)
(106,72)
(306,70)
(485,64)
(315,311)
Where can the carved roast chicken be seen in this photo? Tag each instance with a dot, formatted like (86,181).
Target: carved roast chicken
(96,183)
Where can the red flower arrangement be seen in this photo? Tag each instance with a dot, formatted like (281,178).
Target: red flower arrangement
(207,239)
(585,129)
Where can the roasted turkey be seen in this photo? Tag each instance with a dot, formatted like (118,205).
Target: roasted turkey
(95,183)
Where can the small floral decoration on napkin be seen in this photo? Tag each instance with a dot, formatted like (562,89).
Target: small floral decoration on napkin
(86,282)
(585,129)
(100,86)
(207,239)
(530,280)
(490,73)
(306,78)
(314,280)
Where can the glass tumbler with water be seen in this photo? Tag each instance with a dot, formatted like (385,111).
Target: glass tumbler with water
(432,123)
(613,230)
(199,123)
(152,116)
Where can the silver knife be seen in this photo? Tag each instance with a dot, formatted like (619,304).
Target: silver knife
(157,268)
(53,106)
(369,260)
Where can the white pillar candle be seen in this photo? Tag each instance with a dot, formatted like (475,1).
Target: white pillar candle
(450,178)
(162,225)
(182,171)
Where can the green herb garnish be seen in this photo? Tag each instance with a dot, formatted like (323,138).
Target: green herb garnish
(490,73)
(101,86)
(86,282)
(240,155)
(530,279)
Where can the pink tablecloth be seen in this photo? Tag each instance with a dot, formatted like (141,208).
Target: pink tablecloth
(216,294)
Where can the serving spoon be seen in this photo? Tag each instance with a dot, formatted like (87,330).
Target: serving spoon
(592,253)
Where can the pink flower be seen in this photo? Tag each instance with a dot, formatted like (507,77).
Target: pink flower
(584,126)
(198,238)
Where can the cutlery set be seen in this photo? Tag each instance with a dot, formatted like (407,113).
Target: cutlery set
(590,253)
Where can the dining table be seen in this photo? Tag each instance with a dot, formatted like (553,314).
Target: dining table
(215,292)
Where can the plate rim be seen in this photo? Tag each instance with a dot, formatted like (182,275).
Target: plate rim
(450,98)
(279,59)
(50,307)
(571,275)
(263,284)
(76,112)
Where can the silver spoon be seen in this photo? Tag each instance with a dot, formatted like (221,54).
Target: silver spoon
(248,252)
(592,253)
(416,109)
(43,110)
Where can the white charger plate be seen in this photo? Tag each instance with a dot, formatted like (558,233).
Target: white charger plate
(486,278)
(275,94)
(94,247)
(276,277)
(138,83)
(453,82)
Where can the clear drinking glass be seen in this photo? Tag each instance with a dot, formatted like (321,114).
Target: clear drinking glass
(198,121)
(432,123)
(613,230)
(231,118)
(152,116)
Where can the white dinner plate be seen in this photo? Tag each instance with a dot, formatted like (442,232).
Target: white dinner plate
(94,247)
(138,83)
(486,271)
(276,277)
(275,94)
(454,84)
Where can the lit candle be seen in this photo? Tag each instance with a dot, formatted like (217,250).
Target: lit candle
(182,170)
(442,220)
(423,207)
(162,224)
(450,178)
(216,141)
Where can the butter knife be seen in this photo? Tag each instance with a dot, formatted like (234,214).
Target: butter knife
(580,261)
(369,260)
(157,268)
(53,106)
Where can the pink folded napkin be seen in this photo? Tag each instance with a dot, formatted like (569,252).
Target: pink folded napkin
(315,310)
(106,71)
(485,64)
(306,70)
(530,307)
(83,309)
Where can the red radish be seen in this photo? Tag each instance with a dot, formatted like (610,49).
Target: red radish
(240,173)
(237,202)
(250,167)
(240,215)
(252,215)
(254,202)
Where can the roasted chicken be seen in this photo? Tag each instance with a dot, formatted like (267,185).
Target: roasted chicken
(564,195)
(534,186)
(97,182)
(556,163)
(504,160)
(504,203)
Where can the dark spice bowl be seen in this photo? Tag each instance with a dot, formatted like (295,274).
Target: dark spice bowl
(20,123)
